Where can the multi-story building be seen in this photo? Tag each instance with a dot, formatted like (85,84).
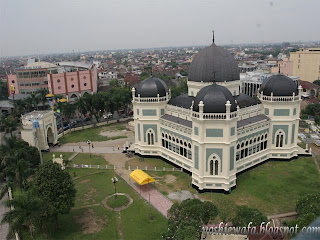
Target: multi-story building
(250,82)
(306,64)
(71,79)
(30,78)
(214,131)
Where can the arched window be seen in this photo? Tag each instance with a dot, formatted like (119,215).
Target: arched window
(214,166)
(279,139)
(150,137)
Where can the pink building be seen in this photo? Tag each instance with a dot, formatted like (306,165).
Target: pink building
(286,67)
(73,80)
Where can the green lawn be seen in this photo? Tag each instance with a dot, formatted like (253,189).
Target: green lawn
(90,220)
(48,155)
(84,158)
(93,134)
(272,187)
(120,201)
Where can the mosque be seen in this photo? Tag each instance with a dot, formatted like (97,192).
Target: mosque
(214,131)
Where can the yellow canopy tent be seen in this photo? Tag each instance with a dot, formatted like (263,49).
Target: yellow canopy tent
(141,177)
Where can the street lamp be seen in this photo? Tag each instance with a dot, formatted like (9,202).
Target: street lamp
(89,143)
(115,180)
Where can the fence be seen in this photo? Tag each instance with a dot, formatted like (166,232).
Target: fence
(107,167)
(156,169)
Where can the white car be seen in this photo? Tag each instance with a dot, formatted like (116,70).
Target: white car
(107,116)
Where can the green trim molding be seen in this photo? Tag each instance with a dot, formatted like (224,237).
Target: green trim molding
(281,112)
(231,158)
(196,157)
(214,132)
(149,112)
(196,131)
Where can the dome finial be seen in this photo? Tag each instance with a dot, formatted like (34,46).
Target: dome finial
(213,36)
(279,68)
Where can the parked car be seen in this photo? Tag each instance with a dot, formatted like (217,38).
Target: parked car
(121,111)
(130,113)
(107,115)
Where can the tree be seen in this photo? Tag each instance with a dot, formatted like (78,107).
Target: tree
(316,82)
(308,208)
(18,162)
(187,219)
(309,204)
(3,91)
(42,96)
(68,111)
(26,213)
(114,83)
(180,89)
(245,215)
(8,124)
(56,189)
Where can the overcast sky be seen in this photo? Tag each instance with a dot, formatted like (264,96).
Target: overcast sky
(51,26)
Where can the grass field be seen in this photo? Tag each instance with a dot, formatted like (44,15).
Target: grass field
(93,134)
(90,220)
(120,201)
(84,158)
(272,187)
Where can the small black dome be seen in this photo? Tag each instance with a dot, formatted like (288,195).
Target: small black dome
(280,85)
(151,87)
(244,100)
(184,101)
(214,98)
(213,63)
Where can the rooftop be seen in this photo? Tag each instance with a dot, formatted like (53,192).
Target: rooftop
(252,120)
(178,120)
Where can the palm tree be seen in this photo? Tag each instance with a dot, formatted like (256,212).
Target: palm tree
(8,124)
(42,96)
(34,100)
(68,111)
(25,212)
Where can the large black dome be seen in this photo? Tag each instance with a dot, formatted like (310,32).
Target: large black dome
(279,85)
(151,87)
(214,98)
(213,63)
(244,100)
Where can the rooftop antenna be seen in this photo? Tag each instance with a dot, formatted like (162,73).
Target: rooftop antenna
(213,36)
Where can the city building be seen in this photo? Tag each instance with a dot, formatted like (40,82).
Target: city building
(306,64)
(30,78)
(73,79)
(286,67)
(214,131)
(70,79)
(309,89)
(250,82)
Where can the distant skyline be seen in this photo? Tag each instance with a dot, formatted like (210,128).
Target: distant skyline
(38,27)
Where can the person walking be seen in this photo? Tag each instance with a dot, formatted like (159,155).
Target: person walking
(112,148)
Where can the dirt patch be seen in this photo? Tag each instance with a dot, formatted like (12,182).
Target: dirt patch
(115,133)
(90,222)
(88,197)
(85,181)
(170,179)
(182,195)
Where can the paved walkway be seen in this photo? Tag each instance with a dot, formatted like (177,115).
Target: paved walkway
(85,149)
(3,228)
(157,199)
